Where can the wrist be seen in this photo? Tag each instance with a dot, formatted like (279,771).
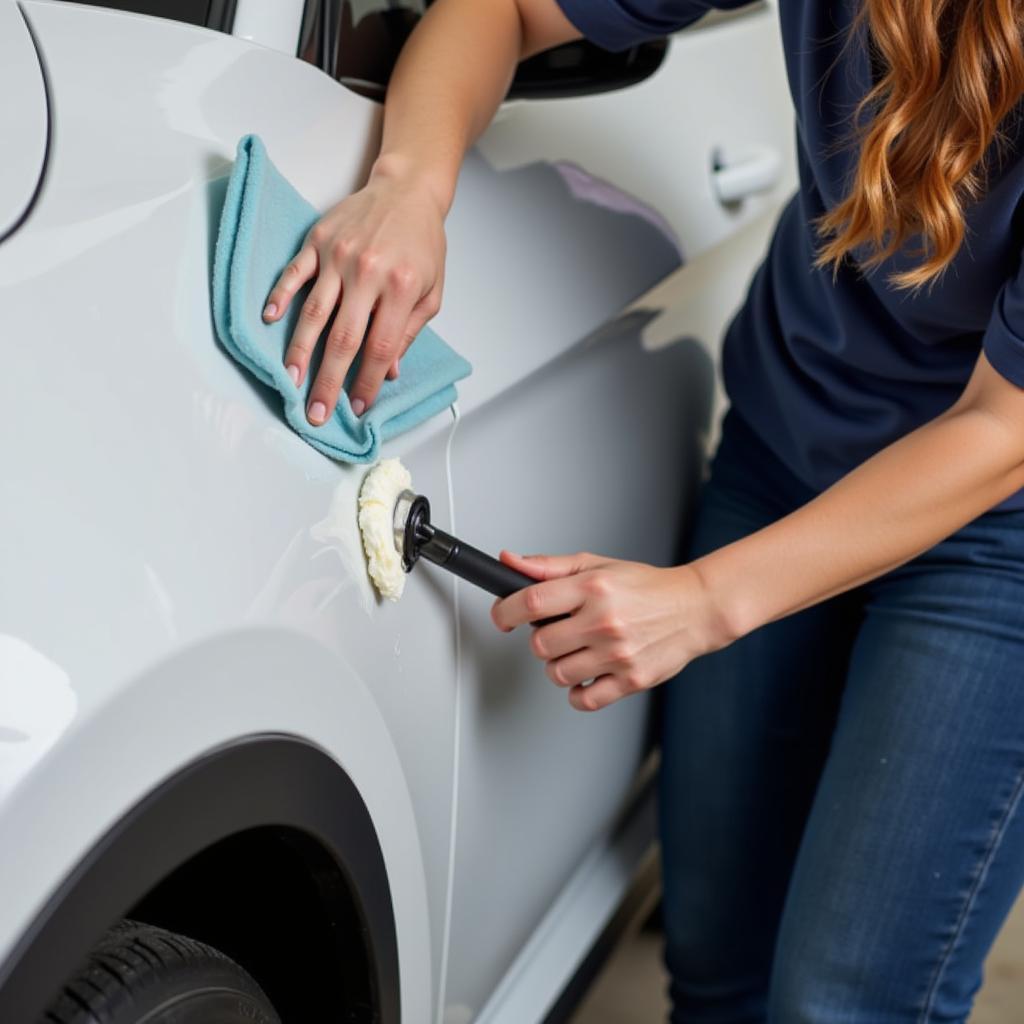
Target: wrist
(728,614)
(400,169)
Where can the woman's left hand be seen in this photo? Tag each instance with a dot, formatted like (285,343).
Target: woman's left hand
(631,626)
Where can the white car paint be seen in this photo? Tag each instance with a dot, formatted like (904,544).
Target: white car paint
(721,90)
(179,569)
(270,23)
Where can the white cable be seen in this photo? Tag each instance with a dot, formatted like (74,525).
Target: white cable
(456,739)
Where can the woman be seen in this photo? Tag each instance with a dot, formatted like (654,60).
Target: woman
(844,753)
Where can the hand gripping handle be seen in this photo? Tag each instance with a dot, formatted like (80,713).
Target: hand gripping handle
(472,565)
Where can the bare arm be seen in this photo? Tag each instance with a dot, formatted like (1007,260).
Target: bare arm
(904,500)
(450,79)
(633,626)
(381,250)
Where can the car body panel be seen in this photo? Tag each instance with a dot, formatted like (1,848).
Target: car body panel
(274,25)
(24,120)
(605,461)
(576,920)
(721,88)
(164,531)
(111,567)
(245,683)
(611,430)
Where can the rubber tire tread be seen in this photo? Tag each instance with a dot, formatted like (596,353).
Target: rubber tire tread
(131,958)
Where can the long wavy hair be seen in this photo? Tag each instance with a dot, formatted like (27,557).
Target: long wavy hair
(950,73)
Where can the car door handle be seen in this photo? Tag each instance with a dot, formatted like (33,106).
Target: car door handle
(734,176)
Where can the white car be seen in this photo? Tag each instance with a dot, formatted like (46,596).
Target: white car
(234,786)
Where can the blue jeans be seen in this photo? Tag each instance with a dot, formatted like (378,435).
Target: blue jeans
(841,818)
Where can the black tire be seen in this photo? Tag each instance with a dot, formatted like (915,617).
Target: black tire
(138,974)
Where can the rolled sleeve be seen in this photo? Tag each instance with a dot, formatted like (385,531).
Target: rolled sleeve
(618,24)
(1003,340)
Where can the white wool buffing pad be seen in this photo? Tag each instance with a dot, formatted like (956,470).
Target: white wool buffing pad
(377,497)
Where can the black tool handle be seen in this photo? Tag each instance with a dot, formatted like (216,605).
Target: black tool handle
(472,565)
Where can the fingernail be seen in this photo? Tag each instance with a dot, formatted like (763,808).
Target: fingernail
(317,413)
(358,406)
(293,372)
(271,309)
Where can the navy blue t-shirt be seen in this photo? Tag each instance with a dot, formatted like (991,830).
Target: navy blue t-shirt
(829,373)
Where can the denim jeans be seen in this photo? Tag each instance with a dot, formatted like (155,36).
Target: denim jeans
(840,796)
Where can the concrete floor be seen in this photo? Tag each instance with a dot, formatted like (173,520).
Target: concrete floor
(632,987)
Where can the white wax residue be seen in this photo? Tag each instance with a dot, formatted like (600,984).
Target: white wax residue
(377,498)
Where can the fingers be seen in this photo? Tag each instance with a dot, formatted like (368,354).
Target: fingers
(616,674)
(549,567)
(422,312)
(541,601)
(340,350)
(363,257)
(575,668)
(400,316)
(380,350)
(590,660)
(620,624)
(600,693)
(318,307)
(293,277)
(558,639)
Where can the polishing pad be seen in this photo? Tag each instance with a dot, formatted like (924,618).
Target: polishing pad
(377,498)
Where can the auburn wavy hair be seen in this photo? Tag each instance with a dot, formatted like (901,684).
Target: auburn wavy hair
(950,71)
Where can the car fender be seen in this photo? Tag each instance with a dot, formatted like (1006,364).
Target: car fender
(245,684)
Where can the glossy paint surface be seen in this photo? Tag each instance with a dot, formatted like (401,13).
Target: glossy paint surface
(179,569)
(598,450)
(721,90)
(155,504)
(274,25)
(613,438)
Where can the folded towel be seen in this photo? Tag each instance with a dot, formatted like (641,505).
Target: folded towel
(262,226)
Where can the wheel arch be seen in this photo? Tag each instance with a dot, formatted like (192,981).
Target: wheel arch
(278,801)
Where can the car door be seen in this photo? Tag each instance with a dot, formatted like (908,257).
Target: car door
(593,437)
(609,188)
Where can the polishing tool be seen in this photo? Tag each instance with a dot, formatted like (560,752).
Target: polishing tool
(397,532)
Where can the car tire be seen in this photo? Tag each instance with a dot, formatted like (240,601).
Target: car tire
(139,974)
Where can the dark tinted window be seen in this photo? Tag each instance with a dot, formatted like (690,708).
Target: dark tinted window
(217,14)
(358,41)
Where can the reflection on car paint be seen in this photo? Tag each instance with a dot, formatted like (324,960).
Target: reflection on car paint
(161,600)
(229,421)
(338,532)
(37,704)
(589,188)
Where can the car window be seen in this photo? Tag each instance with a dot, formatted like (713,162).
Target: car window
(218,14)
(358,41)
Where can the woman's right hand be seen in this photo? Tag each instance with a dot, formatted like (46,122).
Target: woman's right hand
(379,252)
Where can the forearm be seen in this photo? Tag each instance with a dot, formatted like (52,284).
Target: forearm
(450,79)
(899,503)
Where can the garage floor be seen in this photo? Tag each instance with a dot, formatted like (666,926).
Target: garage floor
(632,986)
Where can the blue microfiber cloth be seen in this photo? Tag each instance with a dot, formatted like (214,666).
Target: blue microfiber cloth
(262,226)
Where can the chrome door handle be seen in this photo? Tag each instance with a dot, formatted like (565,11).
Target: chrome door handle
(736,175)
